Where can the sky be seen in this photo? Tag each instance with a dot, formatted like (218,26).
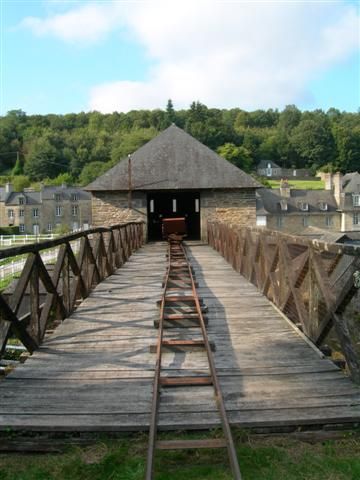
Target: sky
(60,56)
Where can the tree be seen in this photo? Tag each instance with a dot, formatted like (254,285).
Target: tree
(313,141)
(20,182)
(239,156)
(127,143)
(289,118)
(170,112)
(43,161)
(91,171)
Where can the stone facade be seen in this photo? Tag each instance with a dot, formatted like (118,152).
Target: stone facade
(232,206)
(297,222)
(46,210)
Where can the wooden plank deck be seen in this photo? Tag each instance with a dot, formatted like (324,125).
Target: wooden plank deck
(95,372)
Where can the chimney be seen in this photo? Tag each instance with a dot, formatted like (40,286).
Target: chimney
(284,188)
(8,187)
(337,181)
(328,181)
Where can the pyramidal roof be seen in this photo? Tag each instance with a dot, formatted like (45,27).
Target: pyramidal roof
(174,160)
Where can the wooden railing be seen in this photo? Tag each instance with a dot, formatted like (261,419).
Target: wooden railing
(45,294)
(315,284)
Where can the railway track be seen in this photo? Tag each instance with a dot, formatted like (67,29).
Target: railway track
(179,278)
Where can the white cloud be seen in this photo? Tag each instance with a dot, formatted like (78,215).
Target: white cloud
(223,53)
(85,24)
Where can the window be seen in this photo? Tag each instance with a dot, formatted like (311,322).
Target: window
(49,227)
(174,205)
(323,206)
(152,206)
(21,213)
(279,222)
(305,221)
(356,219)
(11,213)
(21,201)
(328,221)
(261,220)
(197,205)
(21,227)
(304,206)
(74,197)
(356,200)
(57,197)
(74,210)
(58,211)
(35,212)
(283,205)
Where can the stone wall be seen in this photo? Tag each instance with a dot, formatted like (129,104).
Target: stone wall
(294,223)
(232,206)
(110,208)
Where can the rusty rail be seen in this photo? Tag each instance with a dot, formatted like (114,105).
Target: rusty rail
(311,282)
(179,280)
(41,297)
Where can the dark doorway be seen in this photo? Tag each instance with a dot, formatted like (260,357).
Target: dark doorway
(170,205)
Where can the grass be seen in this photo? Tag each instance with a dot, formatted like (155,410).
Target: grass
(278,458)
(301,184)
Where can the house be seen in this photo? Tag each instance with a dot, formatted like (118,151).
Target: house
(174,175)
(337,208)
(44,211)
(346,189)
(292,210)
(269,169)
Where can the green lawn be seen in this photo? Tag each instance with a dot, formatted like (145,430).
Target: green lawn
(301,184)
(260,459)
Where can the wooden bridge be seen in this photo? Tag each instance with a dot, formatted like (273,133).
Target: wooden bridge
(90,322)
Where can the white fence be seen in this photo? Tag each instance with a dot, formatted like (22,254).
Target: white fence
(48,256)
(9,240)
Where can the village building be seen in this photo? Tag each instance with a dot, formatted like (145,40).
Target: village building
(269,169)
(174,175)
(346,189)
(46,210)
(291,210)
(307,212)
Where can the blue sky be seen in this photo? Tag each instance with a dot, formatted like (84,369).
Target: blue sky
(63,56)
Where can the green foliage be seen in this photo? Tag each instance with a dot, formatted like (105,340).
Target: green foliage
(62,229)
(126,143)
(239,156)
(51,145)
(91,171)
(9,230)
(20,182)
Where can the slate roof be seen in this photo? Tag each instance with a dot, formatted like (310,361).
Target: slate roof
(351,182)
(264,164)
(268,201)
(48,192)
(174,160)
(32,198)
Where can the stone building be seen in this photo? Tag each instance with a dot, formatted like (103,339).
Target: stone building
(269,169)
(337,208)
(44,211)
(174,175)
(292,210)
(346,189)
